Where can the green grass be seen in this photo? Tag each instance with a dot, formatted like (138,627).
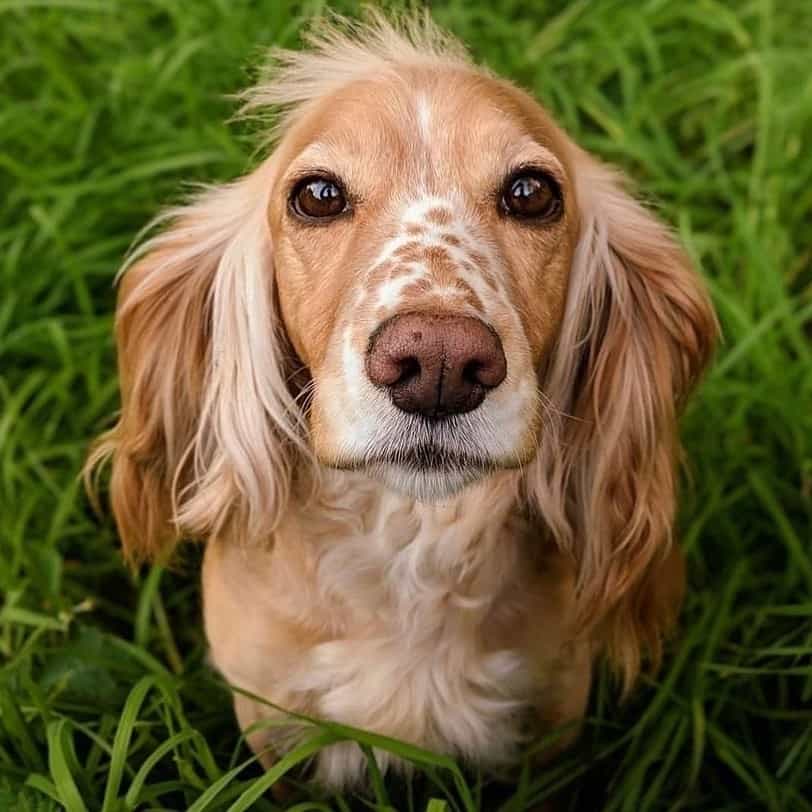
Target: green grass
(108,108)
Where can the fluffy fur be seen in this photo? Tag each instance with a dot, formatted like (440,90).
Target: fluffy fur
(459,608)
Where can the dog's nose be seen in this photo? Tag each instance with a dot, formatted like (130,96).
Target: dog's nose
(436,365)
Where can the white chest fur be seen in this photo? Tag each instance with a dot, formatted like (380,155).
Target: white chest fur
(379,617)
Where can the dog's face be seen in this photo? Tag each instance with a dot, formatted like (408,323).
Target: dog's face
(423,228)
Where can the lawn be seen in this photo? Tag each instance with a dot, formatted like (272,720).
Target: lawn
(108,109)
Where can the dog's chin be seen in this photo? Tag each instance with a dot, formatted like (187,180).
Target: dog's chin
(428,484)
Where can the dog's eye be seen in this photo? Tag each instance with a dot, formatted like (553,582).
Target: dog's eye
(531,194)
(318,198)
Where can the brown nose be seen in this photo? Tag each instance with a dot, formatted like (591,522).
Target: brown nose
(436,365)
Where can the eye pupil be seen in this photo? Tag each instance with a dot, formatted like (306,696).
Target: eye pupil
(531,195)
(318,198)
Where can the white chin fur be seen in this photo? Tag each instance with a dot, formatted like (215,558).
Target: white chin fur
(424,485)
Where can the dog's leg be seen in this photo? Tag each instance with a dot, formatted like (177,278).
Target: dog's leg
(260,740)
(565,700)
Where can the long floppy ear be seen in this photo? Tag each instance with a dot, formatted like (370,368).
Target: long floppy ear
(637,333)
(207,427)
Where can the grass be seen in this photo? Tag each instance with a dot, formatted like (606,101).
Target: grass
(108,107)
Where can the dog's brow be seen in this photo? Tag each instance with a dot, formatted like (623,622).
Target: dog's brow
(317,153)
(531,151)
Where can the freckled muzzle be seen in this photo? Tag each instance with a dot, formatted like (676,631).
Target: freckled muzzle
(435,365)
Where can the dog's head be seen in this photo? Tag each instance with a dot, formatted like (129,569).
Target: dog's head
(426,281)
(423,219)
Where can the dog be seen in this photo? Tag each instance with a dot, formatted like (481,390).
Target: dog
(415,381)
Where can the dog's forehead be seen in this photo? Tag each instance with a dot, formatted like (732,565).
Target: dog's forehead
(454,120)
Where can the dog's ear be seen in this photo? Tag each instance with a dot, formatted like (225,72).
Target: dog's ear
(638,331)
(204,440)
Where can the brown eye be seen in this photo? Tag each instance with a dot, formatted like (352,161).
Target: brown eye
(318,198)
(531,195)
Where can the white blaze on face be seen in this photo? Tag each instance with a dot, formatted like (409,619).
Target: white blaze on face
(389,292)
(424,120)
(429,222)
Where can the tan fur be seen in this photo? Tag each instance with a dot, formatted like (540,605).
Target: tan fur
(458,610)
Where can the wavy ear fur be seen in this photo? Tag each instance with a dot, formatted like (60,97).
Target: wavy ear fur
(207,425)
(638,331)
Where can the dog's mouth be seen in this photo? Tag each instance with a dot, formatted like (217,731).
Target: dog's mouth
(427,471)
(419,446)
(428,457)
(428,463)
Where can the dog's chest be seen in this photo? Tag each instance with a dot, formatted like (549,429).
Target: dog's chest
(428,603)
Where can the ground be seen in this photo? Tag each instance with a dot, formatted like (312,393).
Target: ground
(109,108)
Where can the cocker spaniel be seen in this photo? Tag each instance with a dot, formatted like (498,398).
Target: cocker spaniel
(415,380)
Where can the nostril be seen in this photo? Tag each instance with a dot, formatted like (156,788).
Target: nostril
(488,372)
(409,369)
(471,372)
